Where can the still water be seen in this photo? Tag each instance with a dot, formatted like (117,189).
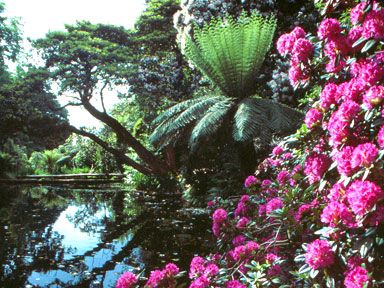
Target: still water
(61,237)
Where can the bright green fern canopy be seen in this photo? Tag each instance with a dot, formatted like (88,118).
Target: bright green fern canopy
(230,53)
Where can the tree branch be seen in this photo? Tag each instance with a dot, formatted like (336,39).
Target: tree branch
(126,138)
(120,156)
(101,96)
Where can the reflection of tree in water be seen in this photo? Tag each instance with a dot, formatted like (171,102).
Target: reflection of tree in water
(154,223)
(28,242)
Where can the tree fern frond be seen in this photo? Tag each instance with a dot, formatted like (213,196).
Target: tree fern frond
(195,111)
(230,52)
(249,121)
(175,109)
(282,119)
(210,123)
(260,118)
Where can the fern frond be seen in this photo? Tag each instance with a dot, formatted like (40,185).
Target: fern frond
(230,53)
(211,122)
(175,109)
(260,118)
(249,121)
(282,119)
(176,122)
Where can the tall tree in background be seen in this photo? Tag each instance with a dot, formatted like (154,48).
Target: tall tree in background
(160,76)
(30,115)
(85,60)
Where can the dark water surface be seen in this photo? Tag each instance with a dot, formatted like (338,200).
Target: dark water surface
(61,237)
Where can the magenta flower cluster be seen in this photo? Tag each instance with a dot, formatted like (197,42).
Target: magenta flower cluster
(322,187)
(319,254)
(301,50)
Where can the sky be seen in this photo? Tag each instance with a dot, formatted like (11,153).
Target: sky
(41,16)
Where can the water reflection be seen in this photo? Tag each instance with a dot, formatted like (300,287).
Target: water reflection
(52,237)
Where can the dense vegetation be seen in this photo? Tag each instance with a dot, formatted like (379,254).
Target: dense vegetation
(201,105)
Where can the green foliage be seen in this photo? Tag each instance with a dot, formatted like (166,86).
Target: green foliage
(46,162)
(13,160)
(30,113)
(230,53)
(179,119)
(86,54)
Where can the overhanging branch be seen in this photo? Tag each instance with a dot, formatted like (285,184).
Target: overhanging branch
(120,156)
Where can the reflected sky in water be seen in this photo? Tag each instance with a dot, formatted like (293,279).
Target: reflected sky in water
(52,237)
(74,240)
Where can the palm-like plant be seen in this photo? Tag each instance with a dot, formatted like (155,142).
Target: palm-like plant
(230,54)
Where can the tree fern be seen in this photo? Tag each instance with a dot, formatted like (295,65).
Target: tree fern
(181,119)
(230,53)
(211,122)
(249,120)
(256,117)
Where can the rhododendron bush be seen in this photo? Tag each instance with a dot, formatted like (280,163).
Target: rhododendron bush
(313,213)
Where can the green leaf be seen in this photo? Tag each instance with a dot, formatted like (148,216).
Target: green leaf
(359,41)
(368,45)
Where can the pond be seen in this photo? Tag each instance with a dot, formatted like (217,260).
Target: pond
(62,237)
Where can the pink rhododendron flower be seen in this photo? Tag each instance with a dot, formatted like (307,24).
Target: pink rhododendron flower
(364,155)
(337,192)
(197,267)
(368,71)
(234,284)
(352,90)
(296,75)
(238,240)
(356,278)
(328,29)
(243,222)
(266,182)
(374,96)
(301,211)
(249,181)
(286,41)
(313,118)
(362,196)
(298,32)
(373,25)
(357,13)
(285,44)
(172,269)
(302,50)
(126,280)
(315,166)
(220,215)
(163,278)
(271,257)
(283,177)
(319,254)
(211,270)
(278,150)
(328,96)
(380,137)
(336,212)
(343,160)
(200,282)
(274,204)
